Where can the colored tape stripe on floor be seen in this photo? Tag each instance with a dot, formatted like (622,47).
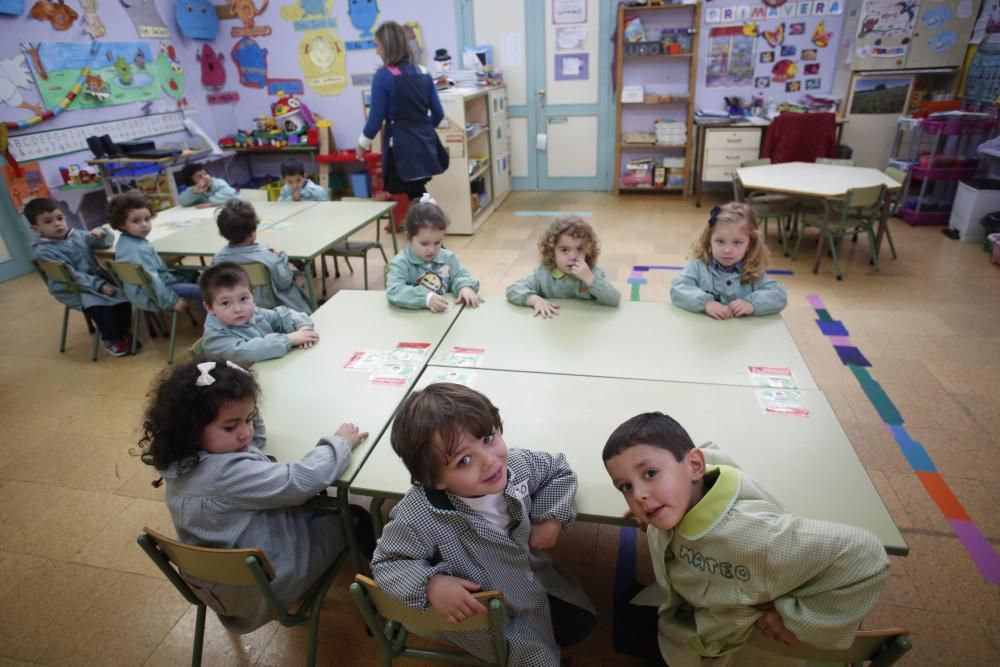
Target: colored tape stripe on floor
(983,554)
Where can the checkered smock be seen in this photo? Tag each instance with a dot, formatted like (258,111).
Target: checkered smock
(434,532)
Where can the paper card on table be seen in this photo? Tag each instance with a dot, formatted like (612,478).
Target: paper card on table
(765,376)
(465,357)
(365,360)
(453,376)
(782,402)
(409,352)
(393,374)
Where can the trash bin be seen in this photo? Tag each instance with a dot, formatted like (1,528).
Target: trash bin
(974,198)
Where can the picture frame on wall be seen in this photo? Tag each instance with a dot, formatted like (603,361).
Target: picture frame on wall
(879,95)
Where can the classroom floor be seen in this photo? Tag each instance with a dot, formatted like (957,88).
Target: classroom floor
(77,590)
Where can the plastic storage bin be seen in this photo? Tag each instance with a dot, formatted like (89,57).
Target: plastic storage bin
(973,200)
(360,184)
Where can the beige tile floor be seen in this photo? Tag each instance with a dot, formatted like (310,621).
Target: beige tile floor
(76,590)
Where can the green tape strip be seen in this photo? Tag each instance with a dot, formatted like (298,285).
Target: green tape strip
(635,292)
(873,390)
(824,315)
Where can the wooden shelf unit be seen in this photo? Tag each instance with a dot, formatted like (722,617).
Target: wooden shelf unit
(648,14)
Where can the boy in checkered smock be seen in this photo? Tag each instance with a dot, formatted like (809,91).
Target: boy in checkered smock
(728,558)
(479,517)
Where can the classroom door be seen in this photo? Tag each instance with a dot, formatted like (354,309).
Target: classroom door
(556,60)
(15,255)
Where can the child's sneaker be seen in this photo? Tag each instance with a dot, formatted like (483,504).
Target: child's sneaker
(117,348)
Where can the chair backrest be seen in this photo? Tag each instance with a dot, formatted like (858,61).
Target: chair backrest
(224,566)
(897,175)
(879,647)
(843,162)
(759,162)
(864,198)
(251,195)
(130,273)
(260,277)
(59,272)
(197,348)
(418,621)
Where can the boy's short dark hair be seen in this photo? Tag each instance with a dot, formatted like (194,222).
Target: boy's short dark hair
(189,170)
(649,428)
(237,220)
(292,168)
(120,205)
(222,276)
(36,207)
(430,424)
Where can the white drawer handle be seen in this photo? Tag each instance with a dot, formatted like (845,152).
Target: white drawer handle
(734,141)
(732,157)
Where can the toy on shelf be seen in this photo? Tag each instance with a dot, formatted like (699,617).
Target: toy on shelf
(291,123)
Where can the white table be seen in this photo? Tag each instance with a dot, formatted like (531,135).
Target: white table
(637,340)
(823,181)
(806,462)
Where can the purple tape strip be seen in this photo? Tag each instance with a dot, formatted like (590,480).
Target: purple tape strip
(982,552)
(815,301)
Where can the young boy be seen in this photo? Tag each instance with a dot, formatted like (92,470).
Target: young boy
(99,298)
(203,190)
(238,224)
(478,517)
(236,330)
(728,557)
(297,187)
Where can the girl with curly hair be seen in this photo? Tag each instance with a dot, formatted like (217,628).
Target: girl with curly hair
(569,249)
(204,435)
(727,274)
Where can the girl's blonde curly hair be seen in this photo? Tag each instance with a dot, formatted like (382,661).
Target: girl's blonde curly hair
(736,213)
(574,227)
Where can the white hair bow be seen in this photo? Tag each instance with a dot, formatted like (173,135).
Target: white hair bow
(205,378)
(426,199)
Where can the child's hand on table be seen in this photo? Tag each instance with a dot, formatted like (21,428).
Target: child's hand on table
(542,307)
(544,534)
(437,304)
(741,308)
(469,297)
(305,337)
(452,597)
(716,310)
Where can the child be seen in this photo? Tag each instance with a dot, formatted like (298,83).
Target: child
(726,276)
(236,330)
(424,271)
(297,187)
(203,190)
(238,224)
(205,437)
(478,517)
(132,214)
(569,249)
(99,298)
(728,557)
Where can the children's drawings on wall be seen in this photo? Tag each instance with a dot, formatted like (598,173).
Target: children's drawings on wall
(572,66)
(321,57)
(93,25)
(13,75)
(146,19)
(309,15)
(885,28)
(247,12)
(197,19)
(251,62)
(363,14)
(936,17)
(784,70)
(118,72)
(12,7)
(730,58)
(415,39)
(170,73)
(288,86)
(213,74)
(58,13)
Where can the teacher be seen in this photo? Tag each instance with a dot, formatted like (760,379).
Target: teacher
(403,95)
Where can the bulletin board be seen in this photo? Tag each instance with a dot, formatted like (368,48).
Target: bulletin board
(50,143)
(780,53)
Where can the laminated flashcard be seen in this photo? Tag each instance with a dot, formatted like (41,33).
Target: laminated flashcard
(762,82)
(793,86)
(147,19)
(813,84)
(811,69)
(809,54)
(321,57)
(767,57)
(796,28)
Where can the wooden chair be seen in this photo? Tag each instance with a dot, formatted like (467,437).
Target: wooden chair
(240,567)
(252,195)
(128,273)
(197,348)
(899,176)
(402,621)
(766,206)
(843,162)
(860,211)
(877,648)
(348,249)
(260,278)
(62,273)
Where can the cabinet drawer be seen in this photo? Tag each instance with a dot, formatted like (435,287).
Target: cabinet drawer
(733,138)
(714,173)
(729,157)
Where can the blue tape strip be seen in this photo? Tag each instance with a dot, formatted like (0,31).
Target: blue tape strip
(914,452)
(835,328)
(637,281)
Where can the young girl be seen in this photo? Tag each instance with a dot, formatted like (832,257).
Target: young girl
(424,271)
(204,434)
(132,214)
(569,249)
(726,276)
(480,516)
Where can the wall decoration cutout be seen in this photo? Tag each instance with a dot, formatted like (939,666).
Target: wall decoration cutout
(788,50)
(415,39)
(289,86)
(809,54)
(820,36)
(14,74)
(364,14)
(751,29)
(309,15)
(321,57)
(942,41)
(766,57)
(780,11)
(197,19)
(762,82)
(251,62)
(784,70)
(58,13)
(146,19)
(774,37)
(793,86)
(170,72)
(213,74)
(115,76)
(93,25)
(360,45)
(813,84)
(730,58)
(936,17)
(247,12)
(796,28)
(12,7)
(811,69)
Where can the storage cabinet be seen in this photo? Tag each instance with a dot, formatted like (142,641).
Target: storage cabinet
(723,150)
(476,134)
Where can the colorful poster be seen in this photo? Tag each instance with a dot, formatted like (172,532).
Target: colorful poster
(730,58)
(321,57)
(885,27)
(309,15)
(572,66)
(121,73)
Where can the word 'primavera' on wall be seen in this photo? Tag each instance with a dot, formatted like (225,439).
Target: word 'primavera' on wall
(791,9)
